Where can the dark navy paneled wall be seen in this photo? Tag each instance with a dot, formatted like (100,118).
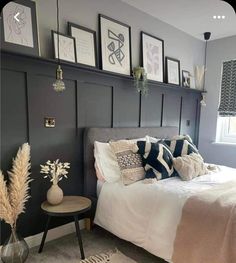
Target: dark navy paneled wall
(92,98)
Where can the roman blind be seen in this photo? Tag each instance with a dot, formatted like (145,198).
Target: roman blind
(227,106)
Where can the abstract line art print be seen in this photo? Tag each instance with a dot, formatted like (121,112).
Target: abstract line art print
(153,56)
(18,24)
(115,45)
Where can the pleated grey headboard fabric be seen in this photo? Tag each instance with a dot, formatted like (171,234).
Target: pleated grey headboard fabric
(106,134)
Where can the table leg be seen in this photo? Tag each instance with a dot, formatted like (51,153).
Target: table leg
(44,235)
(79,237)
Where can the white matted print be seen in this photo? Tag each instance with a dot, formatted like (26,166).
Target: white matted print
(18,24)
(153,56)
(173,71)
(66,47)
(115,46)
(85,43)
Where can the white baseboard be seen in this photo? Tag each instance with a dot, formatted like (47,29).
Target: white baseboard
(54,233)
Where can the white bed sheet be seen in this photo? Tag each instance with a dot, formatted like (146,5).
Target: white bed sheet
(148,214)
(100,184)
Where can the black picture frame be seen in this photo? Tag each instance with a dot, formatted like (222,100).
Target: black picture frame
(142,34)
(102,66)
(168,77)
(55,56)
(186,83)
(93,33)
(16,47)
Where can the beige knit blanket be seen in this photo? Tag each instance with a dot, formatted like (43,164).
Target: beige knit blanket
(207,230)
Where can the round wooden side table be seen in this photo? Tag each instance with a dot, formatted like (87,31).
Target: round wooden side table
(70,206)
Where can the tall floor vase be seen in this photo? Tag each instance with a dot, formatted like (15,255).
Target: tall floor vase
(15,249)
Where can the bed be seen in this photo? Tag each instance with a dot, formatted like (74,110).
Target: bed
(157,216)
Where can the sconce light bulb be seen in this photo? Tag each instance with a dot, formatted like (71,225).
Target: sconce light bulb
(59,84)
(203,101)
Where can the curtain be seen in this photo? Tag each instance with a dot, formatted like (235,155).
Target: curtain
(227,106)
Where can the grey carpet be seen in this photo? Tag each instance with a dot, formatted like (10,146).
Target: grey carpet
(66,249)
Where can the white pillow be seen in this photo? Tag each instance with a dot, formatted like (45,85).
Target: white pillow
(138,139)
(106,162)
(151,139)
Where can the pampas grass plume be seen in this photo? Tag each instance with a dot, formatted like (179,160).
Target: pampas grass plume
(5,207)
(14,197)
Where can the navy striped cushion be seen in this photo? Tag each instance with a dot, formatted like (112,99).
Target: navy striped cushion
(181,147)
(157,159)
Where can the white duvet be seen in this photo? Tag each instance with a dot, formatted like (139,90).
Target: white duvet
(148,214)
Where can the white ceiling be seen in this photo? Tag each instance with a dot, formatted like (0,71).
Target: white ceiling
(192,16)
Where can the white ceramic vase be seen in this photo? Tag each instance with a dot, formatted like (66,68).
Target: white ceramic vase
(54,195)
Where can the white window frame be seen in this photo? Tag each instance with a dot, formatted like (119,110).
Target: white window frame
(223,134)
(222,131)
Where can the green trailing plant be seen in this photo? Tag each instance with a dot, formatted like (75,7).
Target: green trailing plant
(140,80)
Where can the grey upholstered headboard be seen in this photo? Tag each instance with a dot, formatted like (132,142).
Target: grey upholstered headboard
(104,135)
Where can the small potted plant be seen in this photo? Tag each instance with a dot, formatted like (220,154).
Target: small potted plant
(55,171)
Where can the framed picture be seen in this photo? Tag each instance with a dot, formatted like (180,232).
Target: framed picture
(186,78)
(115,44)
(19,31)
(66,47)
(85,44)
(172,71)
(152,54)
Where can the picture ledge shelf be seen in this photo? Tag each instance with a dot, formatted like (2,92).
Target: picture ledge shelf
(101,72)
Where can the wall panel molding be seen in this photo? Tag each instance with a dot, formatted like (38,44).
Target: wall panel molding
(92,98)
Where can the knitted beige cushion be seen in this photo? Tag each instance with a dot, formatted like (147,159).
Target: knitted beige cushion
(130,162)
(190,166)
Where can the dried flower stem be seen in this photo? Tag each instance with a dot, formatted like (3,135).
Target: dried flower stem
(14,198)
(55,171)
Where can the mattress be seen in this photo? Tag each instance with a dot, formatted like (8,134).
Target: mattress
(148,214)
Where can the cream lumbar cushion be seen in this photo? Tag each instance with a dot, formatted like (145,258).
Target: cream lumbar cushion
(190,166)
(130,162)
(106,163)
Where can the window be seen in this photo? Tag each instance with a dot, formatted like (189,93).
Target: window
(226,129)
(232,126)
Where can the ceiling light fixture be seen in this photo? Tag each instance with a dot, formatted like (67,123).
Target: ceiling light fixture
(59,84)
